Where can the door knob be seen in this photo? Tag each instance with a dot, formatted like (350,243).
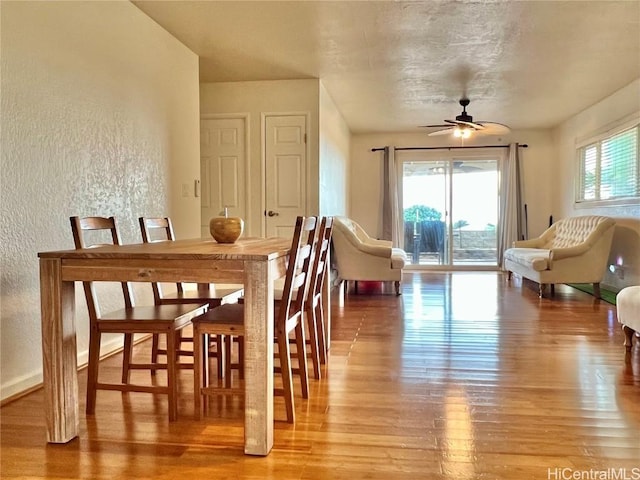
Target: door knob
(271,213)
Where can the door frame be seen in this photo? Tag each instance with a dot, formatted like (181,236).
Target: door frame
(263,162)
(449,156)
(245,117)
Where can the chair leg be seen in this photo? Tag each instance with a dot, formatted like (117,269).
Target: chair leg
(301,349)
(241,357)
(596,290)
(172,381)
(228,348)
(179,339)
(155,345)
(321,332)
(628,336)
(310,313)
(200,359)
(126,357)
(285,370)
(92,371)
(220,357)
(397,284)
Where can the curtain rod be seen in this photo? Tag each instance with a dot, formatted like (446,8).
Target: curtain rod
(524,145)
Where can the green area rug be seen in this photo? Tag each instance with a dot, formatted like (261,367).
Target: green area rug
(606,295)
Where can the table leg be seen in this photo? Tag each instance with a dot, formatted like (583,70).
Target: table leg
(258,325)
(59,355)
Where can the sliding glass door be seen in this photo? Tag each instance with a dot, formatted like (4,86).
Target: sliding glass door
(450,205)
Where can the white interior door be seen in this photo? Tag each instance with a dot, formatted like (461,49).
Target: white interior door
(285,172)
(222,168)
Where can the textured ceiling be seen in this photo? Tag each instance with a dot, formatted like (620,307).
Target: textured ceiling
(391,66)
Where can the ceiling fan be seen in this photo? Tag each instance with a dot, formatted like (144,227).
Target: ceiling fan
(463,126)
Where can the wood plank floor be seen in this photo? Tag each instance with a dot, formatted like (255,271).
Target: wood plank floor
(464,376)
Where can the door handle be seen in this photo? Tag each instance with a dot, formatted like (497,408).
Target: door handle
(271,213)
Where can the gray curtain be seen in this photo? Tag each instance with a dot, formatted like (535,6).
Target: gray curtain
(512,221)
(391,215)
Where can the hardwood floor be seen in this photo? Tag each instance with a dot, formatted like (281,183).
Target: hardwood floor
(464,376)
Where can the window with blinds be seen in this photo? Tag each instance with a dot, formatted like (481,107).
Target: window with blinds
(609,168)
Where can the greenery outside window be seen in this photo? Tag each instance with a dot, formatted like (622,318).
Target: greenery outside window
(609,167)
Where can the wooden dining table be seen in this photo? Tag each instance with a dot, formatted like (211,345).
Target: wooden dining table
(253,262)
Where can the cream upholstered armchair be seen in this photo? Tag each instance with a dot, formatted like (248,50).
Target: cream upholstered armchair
(572,250)
(360,257)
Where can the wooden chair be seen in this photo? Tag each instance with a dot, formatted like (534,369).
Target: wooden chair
(229,320)
(313,300)
(159,229)
(156,319)
(314,309)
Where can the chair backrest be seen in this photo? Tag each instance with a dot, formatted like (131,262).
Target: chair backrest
(357,233)
(572,231)
(80,227)
(163,226)
(320,259)
(350,237)
(298,271)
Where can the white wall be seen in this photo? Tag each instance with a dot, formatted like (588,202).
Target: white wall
(335,140)
(538,161)
(591,121)
(99,117)
(267,97)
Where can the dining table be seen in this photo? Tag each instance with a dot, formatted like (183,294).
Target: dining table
(253,262)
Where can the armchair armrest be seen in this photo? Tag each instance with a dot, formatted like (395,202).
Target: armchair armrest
(543,241)
(378,243)
(377,250)
(566,252)
(531,243)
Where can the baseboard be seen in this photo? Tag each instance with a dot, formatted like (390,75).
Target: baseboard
(607,295)
(611,288)
(18,388)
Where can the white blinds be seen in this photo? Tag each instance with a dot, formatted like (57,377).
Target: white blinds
(609,168)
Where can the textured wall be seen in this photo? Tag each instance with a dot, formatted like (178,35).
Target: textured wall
(99,117)
(335,139)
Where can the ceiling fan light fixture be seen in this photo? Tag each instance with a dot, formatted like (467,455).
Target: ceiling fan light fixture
(461,132)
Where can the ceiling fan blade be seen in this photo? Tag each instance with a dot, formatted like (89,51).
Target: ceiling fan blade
(446,131)
(475,126)
(433,126)
(492,128)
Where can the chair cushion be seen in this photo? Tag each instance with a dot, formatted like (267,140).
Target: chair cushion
(536,259)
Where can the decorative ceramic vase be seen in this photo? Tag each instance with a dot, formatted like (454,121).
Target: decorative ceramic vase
(226,229)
